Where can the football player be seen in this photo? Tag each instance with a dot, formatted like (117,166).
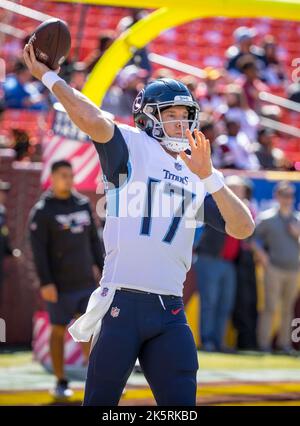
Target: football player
(160,184)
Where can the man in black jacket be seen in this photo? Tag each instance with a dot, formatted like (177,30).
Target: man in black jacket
(5,249)
(65,246)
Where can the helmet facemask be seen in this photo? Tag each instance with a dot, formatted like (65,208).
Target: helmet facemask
(154,112)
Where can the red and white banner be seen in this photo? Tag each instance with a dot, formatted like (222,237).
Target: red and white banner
(40,343)
(66,142)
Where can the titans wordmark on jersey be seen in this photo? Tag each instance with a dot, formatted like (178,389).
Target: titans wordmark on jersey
(151,219)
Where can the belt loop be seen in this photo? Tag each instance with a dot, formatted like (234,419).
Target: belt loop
(161,301)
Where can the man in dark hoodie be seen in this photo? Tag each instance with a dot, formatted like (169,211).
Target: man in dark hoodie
(65,246)
(5,248)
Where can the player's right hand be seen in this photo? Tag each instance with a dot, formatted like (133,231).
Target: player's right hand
(37,68)
(199,162)
(49,293)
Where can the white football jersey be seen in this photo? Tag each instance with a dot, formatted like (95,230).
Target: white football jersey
(151,219)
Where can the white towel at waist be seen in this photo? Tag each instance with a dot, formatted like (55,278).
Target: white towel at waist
(90,322)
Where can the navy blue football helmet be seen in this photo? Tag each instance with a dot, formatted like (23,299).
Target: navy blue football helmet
(153,99)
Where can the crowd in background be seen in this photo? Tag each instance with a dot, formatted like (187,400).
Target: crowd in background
(230,118)
(226,275)
(229,99)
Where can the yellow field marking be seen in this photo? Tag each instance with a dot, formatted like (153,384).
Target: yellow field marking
(34,398)
(246,362)
(242,390)
(262,403)
(16,359)
(249,389)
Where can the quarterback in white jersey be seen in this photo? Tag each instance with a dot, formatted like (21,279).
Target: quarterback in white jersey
(147,237)
(159,179)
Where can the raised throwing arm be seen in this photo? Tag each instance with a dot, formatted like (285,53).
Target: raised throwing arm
(84,113)
(237,216)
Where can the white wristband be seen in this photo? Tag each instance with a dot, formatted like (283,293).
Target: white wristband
(50,78)
(214,182)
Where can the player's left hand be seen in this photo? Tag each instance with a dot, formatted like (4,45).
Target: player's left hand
(200,160)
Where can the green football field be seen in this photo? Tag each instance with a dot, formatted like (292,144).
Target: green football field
(248,379)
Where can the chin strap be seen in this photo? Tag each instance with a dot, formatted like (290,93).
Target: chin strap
(175,144)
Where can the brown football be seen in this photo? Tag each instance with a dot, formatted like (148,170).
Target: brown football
(51,42)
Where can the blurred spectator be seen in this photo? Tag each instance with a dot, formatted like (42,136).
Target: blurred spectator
(66,69)
(5,248)
(237,104)
(2,106)
(269,158)
(119,99)
(78,76)
(135,15)
(162,73)
(15,94)
(105,41)
(210,99)
(112,99)
(3,138)
(63,233)
(234,150)
(235,97)
(140,57)
(277,244)
(20,92)
(216,281)
(294,92)
(191,83)
(244,45)
(245,309)
(21,145)
(252,84)
(273,112)
(273,72)
(208,128)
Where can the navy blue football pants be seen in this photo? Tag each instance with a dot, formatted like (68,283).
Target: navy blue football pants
(160,338)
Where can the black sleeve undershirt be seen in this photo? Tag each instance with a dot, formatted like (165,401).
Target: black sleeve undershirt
(113,157)
(212,215)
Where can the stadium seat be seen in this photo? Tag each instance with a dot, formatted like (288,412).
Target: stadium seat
(209,38)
